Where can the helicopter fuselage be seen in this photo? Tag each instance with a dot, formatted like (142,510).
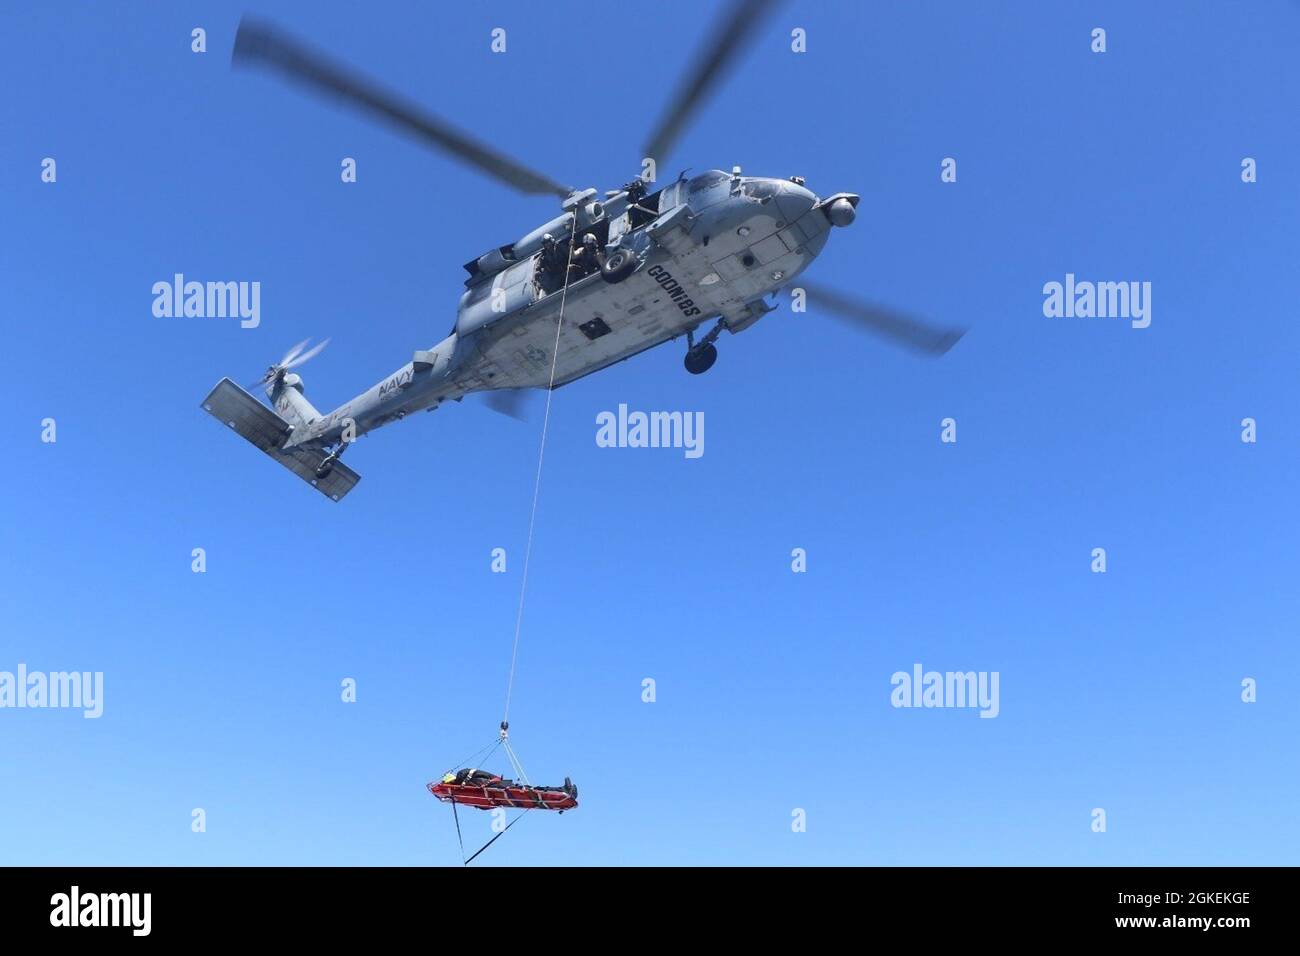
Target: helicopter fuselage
(716,245)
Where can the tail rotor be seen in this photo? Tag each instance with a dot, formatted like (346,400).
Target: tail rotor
(298,355)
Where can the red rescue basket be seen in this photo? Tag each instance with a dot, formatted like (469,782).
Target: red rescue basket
(506,793)
(485,790)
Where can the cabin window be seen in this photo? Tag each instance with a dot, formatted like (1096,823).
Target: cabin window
(647,208)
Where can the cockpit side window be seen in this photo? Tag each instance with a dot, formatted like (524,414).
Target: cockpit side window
(706,189)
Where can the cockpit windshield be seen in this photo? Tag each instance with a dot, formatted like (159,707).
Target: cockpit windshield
(761,189)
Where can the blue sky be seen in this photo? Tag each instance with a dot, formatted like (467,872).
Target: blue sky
(1118,690)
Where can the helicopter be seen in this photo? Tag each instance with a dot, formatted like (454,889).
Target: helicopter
(608,278)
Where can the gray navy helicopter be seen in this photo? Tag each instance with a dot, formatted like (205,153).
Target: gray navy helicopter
(609,277)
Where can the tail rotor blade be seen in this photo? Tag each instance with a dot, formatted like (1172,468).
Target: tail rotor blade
(292,359)
(290,355)
(890,323)
(305,356)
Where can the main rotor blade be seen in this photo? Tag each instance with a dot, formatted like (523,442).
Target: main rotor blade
(509,401)
(257,43)
(898,326)
(732,32)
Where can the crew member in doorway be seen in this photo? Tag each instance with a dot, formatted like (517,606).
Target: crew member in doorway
(585,259)
(550,255)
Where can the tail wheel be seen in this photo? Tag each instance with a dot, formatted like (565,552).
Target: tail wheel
(619,264)
(701,358)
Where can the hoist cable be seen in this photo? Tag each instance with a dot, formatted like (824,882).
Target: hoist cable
(537,482)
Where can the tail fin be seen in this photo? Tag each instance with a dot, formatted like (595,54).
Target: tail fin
(229,403)
(290,402)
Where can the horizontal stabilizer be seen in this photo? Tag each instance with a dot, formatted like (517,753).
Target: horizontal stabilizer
(229,403)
